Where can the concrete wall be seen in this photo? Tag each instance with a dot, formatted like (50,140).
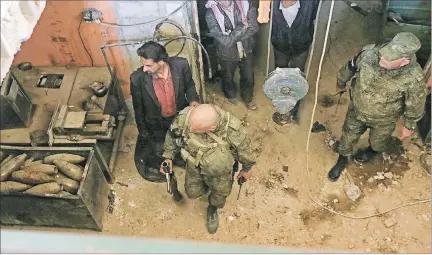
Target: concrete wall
(56,42)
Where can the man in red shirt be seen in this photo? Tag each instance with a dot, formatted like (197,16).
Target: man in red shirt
(161,88)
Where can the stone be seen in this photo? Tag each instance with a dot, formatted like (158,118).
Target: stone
(331,143)
(389,222)
(230,218)
(285,186)
(387,239)
(352,191)
(237,214)
(351,246)
(335,201)
(395,183)
(388,175)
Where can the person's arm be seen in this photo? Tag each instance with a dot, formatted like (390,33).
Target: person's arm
(215,31)
(347,71)
(190,89)
(415,99)
(139,109)
(252,17)
(237,137)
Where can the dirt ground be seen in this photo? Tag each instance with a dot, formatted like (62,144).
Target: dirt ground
(275,206)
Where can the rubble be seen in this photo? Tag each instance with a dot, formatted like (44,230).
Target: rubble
(388,175)
(352,191)
(389,222)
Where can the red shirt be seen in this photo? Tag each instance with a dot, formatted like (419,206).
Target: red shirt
(165,94)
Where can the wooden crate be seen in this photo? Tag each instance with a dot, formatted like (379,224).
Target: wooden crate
(84,210)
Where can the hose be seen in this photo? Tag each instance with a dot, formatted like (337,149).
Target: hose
(183,33)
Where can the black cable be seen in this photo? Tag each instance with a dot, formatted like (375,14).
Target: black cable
(183,33)
(146,22)
(82,41)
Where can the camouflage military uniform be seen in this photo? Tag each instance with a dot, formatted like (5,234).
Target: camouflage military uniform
(210,157)
(378,98)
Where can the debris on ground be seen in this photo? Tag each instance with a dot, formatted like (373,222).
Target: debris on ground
(317,127)
(389,222)
(352,191)
(388,175)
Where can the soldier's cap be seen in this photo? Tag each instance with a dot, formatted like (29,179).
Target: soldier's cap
(404,44)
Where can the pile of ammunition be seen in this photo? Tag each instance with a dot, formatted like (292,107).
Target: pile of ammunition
(55,174)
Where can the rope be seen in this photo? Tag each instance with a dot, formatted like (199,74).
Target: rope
(309,134)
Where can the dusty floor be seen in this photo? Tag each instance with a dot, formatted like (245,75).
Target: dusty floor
(275,207)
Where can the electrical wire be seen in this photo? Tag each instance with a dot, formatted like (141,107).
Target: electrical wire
(309,134)
(82,41)
(146,22)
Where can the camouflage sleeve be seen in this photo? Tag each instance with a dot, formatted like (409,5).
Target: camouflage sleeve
(415,100)
(170,147)
(348,70)
(241,143)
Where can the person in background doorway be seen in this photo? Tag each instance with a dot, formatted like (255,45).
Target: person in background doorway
(292,35)
(233,24)
(161,88)
(387,83)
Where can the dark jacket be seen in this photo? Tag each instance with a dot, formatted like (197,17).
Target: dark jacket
(226,45)
(295,39)
(146,106)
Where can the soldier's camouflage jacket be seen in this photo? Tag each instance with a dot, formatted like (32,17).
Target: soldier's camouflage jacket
(382,95)
(229,131)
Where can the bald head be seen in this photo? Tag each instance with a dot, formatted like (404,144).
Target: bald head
(203,118)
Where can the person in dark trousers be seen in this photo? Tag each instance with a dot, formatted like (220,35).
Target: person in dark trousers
(233,24)
(292,35)
(160,89)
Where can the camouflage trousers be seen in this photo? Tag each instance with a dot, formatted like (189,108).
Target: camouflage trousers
(379,135)
(197,185)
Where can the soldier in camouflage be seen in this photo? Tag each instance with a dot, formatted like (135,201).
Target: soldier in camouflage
(387,83)
(212,142)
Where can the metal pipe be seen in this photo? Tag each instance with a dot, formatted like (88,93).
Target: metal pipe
(119,133)
(177,26)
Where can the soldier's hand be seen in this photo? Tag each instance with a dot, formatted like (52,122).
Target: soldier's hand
(405,133)
(246,175)
(169,161)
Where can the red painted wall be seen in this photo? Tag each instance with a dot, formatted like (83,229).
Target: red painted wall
(55,40)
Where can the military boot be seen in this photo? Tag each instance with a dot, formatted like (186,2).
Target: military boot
(365,156)
(212,219)
(337,169)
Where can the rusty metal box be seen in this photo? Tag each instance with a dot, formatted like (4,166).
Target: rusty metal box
(84,210)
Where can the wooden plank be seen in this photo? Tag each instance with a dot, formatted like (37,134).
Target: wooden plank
(75,120)
(97,117)
(94,128)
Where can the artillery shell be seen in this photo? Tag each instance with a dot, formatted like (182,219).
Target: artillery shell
(6,160)
(68,184)
(28,161)
(65,194)
(37,162)
(71,158)
(46,188)
(31,177)
(11,166)
(9,186)
(70,170)
(41,168)
(2,156)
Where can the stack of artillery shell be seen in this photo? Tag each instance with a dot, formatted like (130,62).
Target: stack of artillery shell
(55,174)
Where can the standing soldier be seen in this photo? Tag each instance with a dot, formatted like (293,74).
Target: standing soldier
(388,83)
(212,142)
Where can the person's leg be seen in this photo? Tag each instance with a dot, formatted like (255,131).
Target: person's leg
(281,59)
(298,61)
(195,186)
(379,140)
(220,188)
(247,81)
(146,160)
(228,86)
(351,132)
